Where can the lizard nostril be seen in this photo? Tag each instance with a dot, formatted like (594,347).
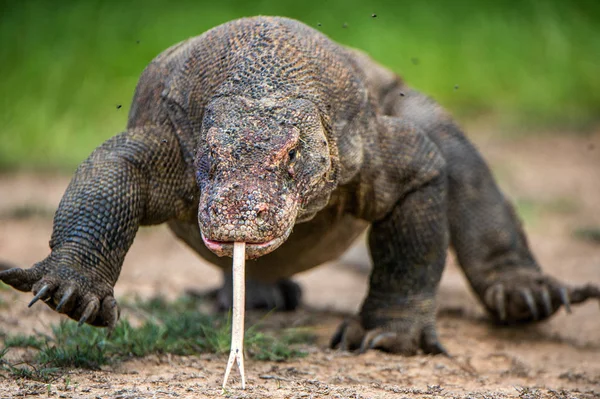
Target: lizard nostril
(261,212)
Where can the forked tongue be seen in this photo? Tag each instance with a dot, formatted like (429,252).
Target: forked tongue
(236,355)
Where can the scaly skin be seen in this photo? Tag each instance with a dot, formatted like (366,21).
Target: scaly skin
(263,130)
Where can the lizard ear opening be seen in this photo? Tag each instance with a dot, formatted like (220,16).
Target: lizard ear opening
(292,154)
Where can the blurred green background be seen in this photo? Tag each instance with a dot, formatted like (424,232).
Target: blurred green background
(68,69)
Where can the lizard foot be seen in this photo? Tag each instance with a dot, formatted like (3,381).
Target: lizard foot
(352,336)
(67,291)
(521,296)
(391,323)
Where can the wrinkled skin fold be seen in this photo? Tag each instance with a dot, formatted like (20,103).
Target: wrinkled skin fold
(263,130)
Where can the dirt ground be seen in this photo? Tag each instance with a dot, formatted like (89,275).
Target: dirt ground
(556,181)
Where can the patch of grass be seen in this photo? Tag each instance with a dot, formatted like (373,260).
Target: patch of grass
(29,372)
(24,341)
(27,211)
(562,205)
(3,287)
(591,234)
(528,210)
(169,327)
(262,346)
(24,369)
(69,70)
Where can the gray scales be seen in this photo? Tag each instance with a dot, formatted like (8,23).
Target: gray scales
(264,131)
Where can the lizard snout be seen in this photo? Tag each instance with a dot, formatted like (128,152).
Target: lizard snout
(254,212)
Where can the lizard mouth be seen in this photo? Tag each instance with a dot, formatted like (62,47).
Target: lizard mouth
(253,249)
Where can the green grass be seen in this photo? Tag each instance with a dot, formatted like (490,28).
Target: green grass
(27,211)
(66,67)
(528,211)
(24,341)
(591,234)
(168,327)
(3,287)
(531,211)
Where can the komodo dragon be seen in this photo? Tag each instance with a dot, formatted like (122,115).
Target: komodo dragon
(262,130)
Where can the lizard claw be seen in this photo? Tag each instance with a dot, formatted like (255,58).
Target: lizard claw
(352,336)
(110,313)
(90,311)
(41,294)
(564,298)
(547,301)
(68,294)
(495,298)
(70,290)
(376,339)
(524,295)
(347,335)
(528,297)
(430,343)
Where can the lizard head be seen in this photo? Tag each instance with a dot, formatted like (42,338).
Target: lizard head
(262,166)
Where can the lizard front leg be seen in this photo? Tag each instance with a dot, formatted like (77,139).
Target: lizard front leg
(137,177)
(408,248)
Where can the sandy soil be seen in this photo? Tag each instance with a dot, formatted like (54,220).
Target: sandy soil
(557,181)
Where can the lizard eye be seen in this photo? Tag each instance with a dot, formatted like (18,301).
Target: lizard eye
(292,154)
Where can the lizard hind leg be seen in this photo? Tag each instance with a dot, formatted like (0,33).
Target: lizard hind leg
(486,234)
(283,295)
